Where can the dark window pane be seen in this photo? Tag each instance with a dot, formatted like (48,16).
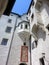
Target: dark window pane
(42,61)
(32,16)
(47,27)
(36,42)
(22,64)
(24,43)
(21,26)
(27,18)
(26,26)
(4,41)
(29,11)
(9,21)
(8,29)
(33,3)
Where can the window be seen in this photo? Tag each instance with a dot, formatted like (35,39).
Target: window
(36,43)
(21,26)
(32,16)
(47,27)
(27,18)
(33,3)
(24,43)
(8,29)
(22,64)
(42,61)
(4,41)
(9,21)
(26,26)
(29,12)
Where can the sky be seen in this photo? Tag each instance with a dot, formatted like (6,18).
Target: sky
(21,6)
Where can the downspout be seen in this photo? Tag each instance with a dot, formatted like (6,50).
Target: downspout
(30,51)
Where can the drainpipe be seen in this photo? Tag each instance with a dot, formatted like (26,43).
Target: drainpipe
(30,50)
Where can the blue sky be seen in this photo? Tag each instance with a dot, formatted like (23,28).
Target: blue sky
(21,6)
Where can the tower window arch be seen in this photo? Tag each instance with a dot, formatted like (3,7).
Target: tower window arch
(26,26)
(21,26)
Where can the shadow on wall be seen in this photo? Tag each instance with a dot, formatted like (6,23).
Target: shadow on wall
(41,34)
(47,9)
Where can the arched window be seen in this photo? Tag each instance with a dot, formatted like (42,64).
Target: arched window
(24,43)
(47,27)
(34,44)
(32,16)
(42,61)
(22,64)
(21,26)
(26,26)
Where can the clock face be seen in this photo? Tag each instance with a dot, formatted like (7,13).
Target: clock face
(21,6)
(3,4)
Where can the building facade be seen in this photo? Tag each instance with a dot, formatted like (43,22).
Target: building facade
(7,25)
(25,40)
(40,28)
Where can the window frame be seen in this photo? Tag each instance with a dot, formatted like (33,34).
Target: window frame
(21,26)
(9,20)
(8,29)
(4,41)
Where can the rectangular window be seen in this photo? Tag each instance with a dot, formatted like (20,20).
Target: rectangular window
(42,61)
(9,20)
(8,29)
(4,41)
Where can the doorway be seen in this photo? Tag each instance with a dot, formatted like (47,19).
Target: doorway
(22,64)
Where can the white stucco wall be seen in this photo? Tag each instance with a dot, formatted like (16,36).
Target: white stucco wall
(18,41)
(15,54)
(43,39)
(4,49)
